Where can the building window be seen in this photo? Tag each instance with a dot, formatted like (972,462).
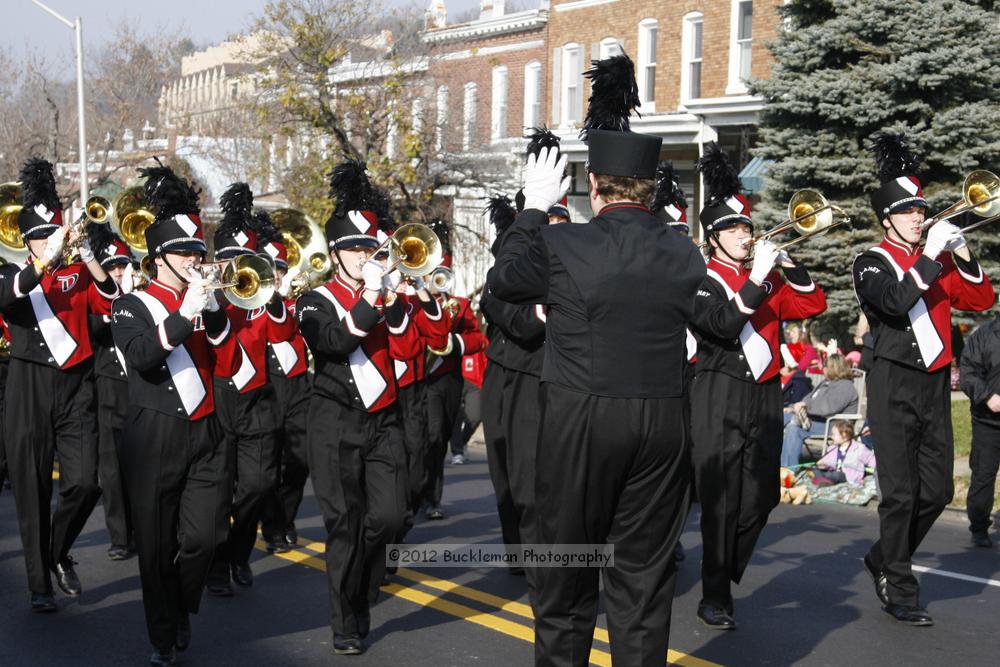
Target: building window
(469,117)
(691,48)
(442,117)
(647,63)
(498,108)
(572,76)
(741,42)
(532,94)
(610,46)
(578,185)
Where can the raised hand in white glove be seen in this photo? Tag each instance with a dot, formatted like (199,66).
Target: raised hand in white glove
(784,259)
(195,299)
(957,243)
(418,283)
(212,304)
(285,286)
(86,254)
(128,279)
(544,183)
(765,254)
(54,244)
(391,280)
(941,235)
(371,274)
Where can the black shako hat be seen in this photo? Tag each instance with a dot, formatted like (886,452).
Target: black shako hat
(360,205)
(41,212)
(900,189)
(443,231)
(669,203)
(269,238)
(612,148)
(108,247)
(177,227)
(235,234)
(725,206)
(501,212)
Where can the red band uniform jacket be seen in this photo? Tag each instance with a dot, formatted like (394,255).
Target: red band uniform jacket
(466,337)
(433,329)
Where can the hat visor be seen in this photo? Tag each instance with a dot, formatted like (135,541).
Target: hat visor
(115,261)
(915,202)
(40,232)
(230,252)
(187,245)
(349,244)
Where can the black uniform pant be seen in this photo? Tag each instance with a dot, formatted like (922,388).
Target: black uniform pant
(248,421)
(354,466)
(909,412)
(54,413)
(469,417)
(174,472)
(4,363)
(984,460)
(412,401)
(444,397)
(616,471)
(736,431)
(292,409)
(112,406)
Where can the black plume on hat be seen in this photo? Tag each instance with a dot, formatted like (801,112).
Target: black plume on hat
(100,236)
(261,224)
(721,179)
(168,194)
(893,156)
(539,138)
(440,227)
(501,211)
(668,188)
(350,186)
(237,205)
(39,185)
(614,95)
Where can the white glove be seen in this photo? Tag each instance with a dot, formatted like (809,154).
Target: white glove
(285,286)
(195,299)
(128,281)
(86,254)
(783,258)
(371,273)
(832,346)
(956,243)
(544,184)
(54,244)
(391,281)
(418,283)
(765,254)
(213,301)
(940,236)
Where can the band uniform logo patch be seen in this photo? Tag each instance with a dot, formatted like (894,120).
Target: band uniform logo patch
(254,314)
(66,283)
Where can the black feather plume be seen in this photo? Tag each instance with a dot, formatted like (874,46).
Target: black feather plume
(378,203)
(501,211)
(539,138)
(893,156)
(100,237)
(237,205)
(261,224)
(167,193)
(721,179)
(668,188)
(350,187)
(39,185)
(614,95)
(440,227)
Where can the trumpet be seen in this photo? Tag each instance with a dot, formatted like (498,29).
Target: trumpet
(442,279)
(246,281)
(97,210)
(980,195)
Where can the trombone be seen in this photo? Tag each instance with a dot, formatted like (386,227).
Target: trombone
(246,281)
(980,195)
(414,250)
(808,211)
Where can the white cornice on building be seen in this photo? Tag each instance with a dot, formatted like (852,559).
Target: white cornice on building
(376,70)
(500,25)
(491,50)
(581,4)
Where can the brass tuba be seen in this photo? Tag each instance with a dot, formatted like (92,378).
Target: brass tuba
(305,242)
(131,216)
(12,245)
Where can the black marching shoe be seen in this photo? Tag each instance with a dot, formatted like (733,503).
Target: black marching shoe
(242,574)
(278,545)
(183,633)
(715,618)
(878,578)
(161,658)
(117,552)
(66,578)
(292,536)
(220,590)
(347,645)
(43,604)
(982,540)
(435,513)
(914,616)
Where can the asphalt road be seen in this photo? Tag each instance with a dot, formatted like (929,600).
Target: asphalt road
(805,600)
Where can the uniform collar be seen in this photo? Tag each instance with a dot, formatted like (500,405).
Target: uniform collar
(898,247)
(340,283)
(725,263)
(622,205)
(162,290)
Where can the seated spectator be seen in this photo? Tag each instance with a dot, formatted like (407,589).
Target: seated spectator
(834,395)
(846,461)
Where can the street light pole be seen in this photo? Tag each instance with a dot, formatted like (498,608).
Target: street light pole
(77,26)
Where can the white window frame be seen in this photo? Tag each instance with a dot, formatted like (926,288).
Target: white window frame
(736,85)
(572,81)
(441,100)
(468,115)
(687,45)
(610,46)
(647,63)
(532,112)
(498,104)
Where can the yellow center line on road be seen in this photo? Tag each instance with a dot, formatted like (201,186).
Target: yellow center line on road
(501,603)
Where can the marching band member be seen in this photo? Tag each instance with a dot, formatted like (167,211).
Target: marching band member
(112,394)
(173,449)
(245,404)
(907,293)
(614,467)
(49,394)
(738,313)
(444,380)
(288,370)
(355,432)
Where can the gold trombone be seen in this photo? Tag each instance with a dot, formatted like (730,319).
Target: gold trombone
(246,281)
(808,211)
(980,195)
(414,250)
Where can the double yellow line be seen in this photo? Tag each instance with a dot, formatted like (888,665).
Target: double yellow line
(312,557)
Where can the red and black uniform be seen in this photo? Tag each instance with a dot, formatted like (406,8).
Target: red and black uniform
(444,389)
(288,370)
(4,365)
(173,449)
(354,438)
(50,407)
(735,399)
(908,298)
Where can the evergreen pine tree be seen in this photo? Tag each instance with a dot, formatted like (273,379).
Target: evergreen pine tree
(848,68)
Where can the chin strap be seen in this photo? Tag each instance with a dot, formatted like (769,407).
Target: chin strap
(179,277)
(715,235)
(343,265)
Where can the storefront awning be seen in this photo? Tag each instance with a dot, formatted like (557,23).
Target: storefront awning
(752,175)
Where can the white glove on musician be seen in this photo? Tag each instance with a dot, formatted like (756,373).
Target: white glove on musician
(544,183)
(765,254)
(195,299)
(54,245)
(128,280)
(941,235)
(371,274)
(391,281)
